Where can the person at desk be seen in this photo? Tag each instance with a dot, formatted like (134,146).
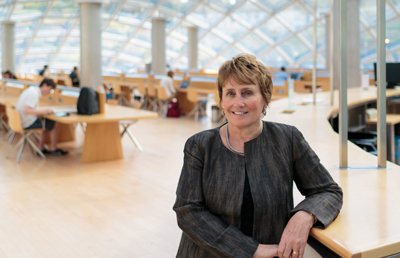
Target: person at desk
(282,75)
(45,71)
(9,75)
(30,116)
(234,197)
(168,83)
(74,77)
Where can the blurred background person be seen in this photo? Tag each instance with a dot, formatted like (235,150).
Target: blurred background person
(168,83)
(74,76)
(45,71)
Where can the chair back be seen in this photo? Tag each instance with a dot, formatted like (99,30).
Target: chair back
(162,93)
(126,92)
(151,90)
(14,119)
(141,87)
(192,95)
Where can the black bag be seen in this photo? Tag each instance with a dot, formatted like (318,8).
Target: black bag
(88,102)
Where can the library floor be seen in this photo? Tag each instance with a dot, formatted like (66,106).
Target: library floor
(59,207)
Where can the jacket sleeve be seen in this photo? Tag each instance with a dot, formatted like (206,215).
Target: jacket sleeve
(205,229)
(323,197)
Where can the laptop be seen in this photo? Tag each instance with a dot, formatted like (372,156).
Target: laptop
(185,84)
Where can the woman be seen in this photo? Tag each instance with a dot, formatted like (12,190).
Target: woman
(234,197)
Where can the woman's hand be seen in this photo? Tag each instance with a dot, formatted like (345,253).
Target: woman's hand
(295,235)
(266,251)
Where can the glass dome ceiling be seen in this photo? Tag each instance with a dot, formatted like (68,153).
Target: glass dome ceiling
(279,32)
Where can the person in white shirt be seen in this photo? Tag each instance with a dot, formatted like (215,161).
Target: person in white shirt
(168,84)
(27,107)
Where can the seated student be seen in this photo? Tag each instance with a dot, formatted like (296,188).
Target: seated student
(168,84)
(27,106)
(9,75)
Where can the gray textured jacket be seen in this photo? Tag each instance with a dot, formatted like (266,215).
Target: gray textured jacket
(210,191)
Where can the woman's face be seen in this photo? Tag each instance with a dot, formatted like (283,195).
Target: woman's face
(242,104)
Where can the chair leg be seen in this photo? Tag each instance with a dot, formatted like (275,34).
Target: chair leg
(19,143)
(194,112)
(3,124)
(11,137)
(21,150)
(134,140)
(131,136)
(37,150)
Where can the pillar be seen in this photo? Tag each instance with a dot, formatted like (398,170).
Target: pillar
(193,48)
(328,35)
(8,46)
(158,51)
(335,40)
(90,36)
(353,43)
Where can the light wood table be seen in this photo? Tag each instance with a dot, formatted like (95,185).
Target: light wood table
(102,135)
(391,121)
(368,225)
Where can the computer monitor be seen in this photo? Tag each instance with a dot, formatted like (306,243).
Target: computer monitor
(392,74)
(185,84)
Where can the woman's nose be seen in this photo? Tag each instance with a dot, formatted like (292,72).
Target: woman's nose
(239,101)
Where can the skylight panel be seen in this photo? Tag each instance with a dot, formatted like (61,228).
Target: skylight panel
(296,17)
(213,42)
(253,42)
(206,15)
(174,44)
(294,47)
(274,29)
(231,29)
(250,14)
(114,36)
(274,5)
(28,11)
(368,11)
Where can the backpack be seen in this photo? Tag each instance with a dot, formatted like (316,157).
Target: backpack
(173,108)
(88,102)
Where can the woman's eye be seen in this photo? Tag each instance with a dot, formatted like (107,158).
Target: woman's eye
(247,93)
(230,93)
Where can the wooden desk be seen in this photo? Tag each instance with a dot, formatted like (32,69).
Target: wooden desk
(187,106)
(102,136)
(368,224)
(391,121)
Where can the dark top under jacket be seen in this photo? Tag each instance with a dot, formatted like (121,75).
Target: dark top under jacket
(210,191)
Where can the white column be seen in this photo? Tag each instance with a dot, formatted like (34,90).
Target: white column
(90,35)
(343,108)
(158,42)
(7,46)
(381,73)
(315,55)
(328,57)
(193,47)
(353,44)
(335,44)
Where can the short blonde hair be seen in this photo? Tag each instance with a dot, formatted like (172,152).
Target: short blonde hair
(246,69)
